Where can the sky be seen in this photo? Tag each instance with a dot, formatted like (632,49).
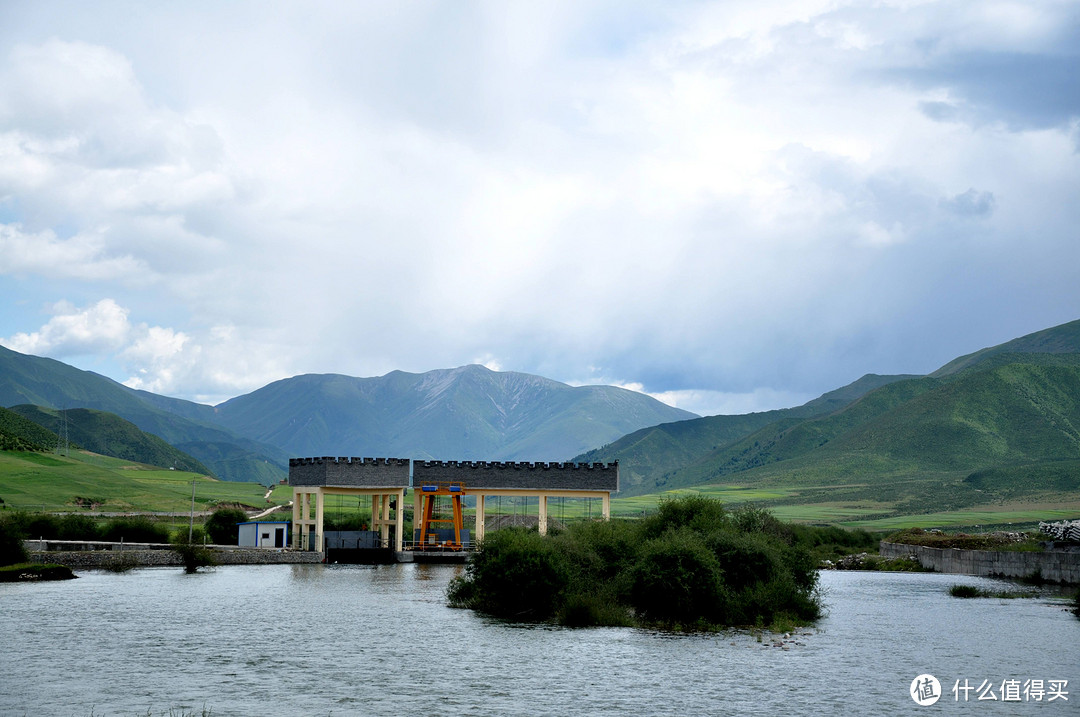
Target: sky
(731,206)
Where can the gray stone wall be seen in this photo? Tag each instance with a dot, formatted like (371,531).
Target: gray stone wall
(1051,565)
(112,559)
(351,472)
(477,475)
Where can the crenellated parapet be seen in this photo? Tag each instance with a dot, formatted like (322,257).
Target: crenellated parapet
(350,472)
(519,475)
(347,459)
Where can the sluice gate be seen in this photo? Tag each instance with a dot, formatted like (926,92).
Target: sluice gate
(434,484)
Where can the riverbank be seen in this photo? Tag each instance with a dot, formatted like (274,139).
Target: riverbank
(119,556)
(1056,566)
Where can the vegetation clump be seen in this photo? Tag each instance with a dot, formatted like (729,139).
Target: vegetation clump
(1000,540)
(972,591)
(13,557)
(692,565)
(12,550)
(190,545)
(35,571)
(221,526)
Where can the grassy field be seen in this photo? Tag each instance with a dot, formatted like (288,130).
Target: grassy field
(986,518)
(35,481)
(872,508)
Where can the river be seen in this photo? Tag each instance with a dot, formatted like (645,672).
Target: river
(352,640)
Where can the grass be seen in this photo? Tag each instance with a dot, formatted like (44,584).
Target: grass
(36,481)
(882,507)
(971,591)
(1013,541)
(965,518)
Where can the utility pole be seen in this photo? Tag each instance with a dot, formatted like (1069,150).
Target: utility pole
(191,522)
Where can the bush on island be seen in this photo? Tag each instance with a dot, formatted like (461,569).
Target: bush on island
(692,564)
(190,545)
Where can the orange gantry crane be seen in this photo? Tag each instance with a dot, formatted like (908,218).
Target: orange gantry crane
(430,493)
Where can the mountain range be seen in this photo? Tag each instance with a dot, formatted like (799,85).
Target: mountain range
(996,423)
(465,413)
(988,425)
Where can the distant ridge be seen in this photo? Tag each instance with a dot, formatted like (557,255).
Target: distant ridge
(465,413)
(469,412)
(999,423)
(1063,339)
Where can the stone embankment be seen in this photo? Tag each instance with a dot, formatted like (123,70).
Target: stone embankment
(1058,566)
(85,555)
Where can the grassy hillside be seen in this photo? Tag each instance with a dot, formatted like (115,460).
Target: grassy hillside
(657,457)
(1063,339)
(21,434)
(44,382)
(110,435)
(1008,415)
(35,481)
(996,431)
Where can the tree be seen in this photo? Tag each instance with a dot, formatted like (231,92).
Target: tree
(221,526)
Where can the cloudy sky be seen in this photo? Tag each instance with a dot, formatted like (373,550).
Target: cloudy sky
(731,205)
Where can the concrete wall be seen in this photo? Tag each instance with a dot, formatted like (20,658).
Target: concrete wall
(1051,565)
(352,472)
(477,475)
(139,558)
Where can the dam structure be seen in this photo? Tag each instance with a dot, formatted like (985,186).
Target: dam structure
(386,480)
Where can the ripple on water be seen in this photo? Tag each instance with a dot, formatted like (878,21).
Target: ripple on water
(313,639)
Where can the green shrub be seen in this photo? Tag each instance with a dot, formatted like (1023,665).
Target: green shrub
(40,525)
(136,529)
(520,574)
(221,526)
(12,550)
(691,564)
(676,578)
(693,511)
(76,526)
(193,552)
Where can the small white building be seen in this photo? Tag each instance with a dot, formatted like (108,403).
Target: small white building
(263,534)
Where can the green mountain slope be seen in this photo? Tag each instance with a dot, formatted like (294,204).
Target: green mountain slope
(21,434)
(652,458)
(45,382)
(994,425)
(1013,413)
(110,435)
(464,413)
(1063,339)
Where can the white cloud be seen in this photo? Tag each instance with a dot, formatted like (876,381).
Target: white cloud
(101,328)
(82,256)
(714,403)
(714,200)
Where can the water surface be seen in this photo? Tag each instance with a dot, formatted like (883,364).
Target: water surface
(343,640)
